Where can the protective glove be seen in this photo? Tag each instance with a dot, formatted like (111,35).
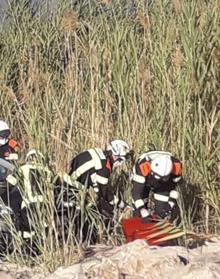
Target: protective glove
(119,203)
(166,211)
(104,207)
(154,217)
(146,220)
(145,214)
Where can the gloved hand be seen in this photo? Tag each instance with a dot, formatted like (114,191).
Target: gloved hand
(117,202)
(154,217)
(145,215)
(105,208)
(165,211)
(146,220)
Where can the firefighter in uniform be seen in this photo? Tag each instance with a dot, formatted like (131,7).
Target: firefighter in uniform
(8,154)
(32,186)
(8,146)
(93,167)
(156,171)
(90,172)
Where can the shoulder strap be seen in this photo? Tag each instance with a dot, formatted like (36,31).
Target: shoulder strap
(145,168)
(96,157)
(12,143)
(177,168)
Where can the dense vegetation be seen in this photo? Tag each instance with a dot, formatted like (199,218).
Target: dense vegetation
(144,71)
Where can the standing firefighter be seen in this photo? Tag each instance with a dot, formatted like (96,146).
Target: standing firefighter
(31,190)
(160,172)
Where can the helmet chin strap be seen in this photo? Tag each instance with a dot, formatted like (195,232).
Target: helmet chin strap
(3,141)
(160,178)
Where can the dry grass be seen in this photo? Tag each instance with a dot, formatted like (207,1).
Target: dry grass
(147,74)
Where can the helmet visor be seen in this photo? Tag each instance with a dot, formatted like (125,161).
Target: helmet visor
(4,134)
(160,178)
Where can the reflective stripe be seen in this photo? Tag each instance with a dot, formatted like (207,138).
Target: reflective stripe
(67,179)
(174,194)
(144,213)
(139,203)
(68,204)
(98,179)
(33,199)
(101,179)
(138,178)
(121,204)
(93,178)
(27,183)
(11,179)
(159,197)
(115,200)
(100,153)
(82,169)
(25,169)
(71,182)
(145,200)
(176,179)
(171,203)
(96,159)
(26,234)
(12,156)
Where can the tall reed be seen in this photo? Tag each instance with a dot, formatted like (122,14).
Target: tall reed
(144,71)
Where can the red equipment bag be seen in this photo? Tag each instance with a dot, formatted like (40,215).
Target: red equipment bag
(133,228)
(155,233)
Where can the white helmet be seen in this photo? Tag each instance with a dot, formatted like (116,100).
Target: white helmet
(120,149)
(161,166)
(34,155)
(4,132)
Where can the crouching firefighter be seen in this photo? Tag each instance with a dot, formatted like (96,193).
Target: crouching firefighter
(92,170)
(159,172)
(31,195)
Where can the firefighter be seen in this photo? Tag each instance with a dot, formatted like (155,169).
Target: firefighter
(8,146)
(8,153)
(159,172)
(93,167)
(32,187)
(90,172)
